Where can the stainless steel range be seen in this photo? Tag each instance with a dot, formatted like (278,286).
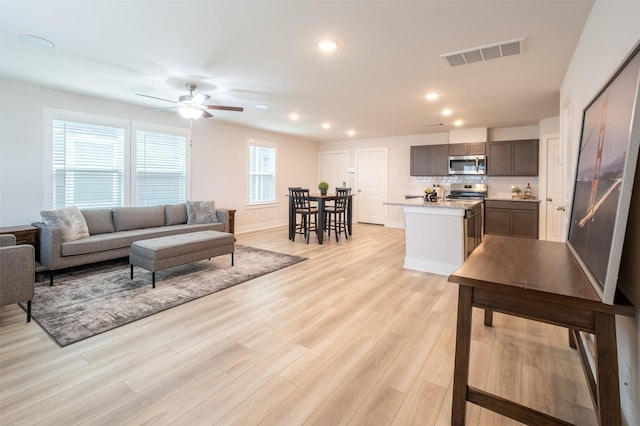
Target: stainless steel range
(466,191)
(474,217)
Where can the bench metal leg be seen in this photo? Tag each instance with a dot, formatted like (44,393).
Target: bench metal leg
(131,271)
(231,259)
(153,279)
(50,278)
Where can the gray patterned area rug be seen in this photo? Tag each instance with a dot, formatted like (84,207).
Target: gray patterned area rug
(90,300)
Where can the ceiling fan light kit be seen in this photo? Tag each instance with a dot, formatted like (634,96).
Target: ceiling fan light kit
(193,107)
(190,112)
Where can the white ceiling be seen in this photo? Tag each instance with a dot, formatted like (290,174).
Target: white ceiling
(245,53)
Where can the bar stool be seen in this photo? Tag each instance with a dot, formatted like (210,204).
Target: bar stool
(336,215)
(308,214)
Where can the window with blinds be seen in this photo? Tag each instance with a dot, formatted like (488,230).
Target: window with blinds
(161,168)
(116,163)
(88,165)
(262,173)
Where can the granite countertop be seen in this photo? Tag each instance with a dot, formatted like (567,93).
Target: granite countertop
(448,204)
(525,200)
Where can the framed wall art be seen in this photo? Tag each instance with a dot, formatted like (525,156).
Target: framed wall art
(606,167)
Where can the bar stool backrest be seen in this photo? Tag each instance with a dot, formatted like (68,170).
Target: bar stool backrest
(301,200)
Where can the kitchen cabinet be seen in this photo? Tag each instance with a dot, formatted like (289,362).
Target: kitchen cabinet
(512,158)
(429,160)
(511,218)
(477,148)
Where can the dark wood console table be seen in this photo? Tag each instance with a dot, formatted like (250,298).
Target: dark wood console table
(541,281)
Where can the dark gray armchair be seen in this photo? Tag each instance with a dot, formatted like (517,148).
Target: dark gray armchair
(17,272)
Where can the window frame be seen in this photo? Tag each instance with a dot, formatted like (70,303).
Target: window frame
(268,145)
(137,126)
(130,127)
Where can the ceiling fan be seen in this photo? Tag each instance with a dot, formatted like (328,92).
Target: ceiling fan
(193,106)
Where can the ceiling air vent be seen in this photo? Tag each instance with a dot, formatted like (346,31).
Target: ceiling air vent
(484,53)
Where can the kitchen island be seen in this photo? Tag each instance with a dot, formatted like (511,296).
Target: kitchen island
(437,238)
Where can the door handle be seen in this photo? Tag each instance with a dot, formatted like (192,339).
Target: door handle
(560,208)
(549,199)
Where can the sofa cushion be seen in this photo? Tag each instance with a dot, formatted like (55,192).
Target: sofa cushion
(99,221)
(201,212)
(127,218)
(70,221)
(118,240)
(175,214)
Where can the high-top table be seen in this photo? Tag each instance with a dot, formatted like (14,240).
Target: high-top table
(320,199)
(541,281)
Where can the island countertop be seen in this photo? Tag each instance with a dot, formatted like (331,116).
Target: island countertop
(443,204)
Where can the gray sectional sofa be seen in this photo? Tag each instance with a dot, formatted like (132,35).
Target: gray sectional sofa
(109,233)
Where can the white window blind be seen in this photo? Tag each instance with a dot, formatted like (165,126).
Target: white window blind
(262,174)
(88,165)
(161,168)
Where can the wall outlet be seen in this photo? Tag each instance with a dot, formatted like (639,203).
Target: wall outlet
(626,380)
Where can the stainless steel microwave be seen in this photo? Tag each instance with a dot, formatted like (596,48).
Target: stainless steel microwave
(467,164)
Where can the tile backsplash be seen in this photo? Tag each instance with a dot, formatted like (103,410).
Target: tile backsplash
(498,186)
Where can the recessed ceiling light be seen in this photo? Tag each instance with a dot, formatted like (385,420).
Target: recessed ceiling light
(432,96)
(351,132)
(294,117)
(261,106)
(458,123)
(447,112)
(34,40)
(328,45)
(326,125)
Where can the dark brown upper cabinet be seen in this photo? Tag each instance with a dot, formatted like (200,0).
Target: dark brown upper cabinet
(429,160)
(512,158)
(476,148)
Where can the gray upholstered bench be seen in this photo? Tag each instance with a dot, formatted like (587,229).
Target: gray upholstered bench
(174,250)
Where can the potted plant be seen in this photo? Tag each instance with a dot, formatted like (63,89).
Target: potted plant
(323,187)
(515,192)
(430,194)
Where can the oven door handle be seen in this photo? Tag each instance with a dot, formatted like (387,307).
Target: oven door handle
(477,165)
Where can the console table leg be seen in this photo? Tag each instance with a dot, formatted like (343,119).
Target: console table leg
(463,352)
(572,340)
(608,409)
(488,317)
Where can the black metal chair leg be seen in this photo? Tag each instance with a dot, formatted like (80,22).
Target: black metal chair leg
(153,279)
(29,311)
(50,278)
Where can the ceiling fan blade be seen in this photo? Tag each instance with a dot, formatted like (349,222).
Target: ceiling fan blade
(155,97)
(199,99)
(205,114)
(223,108)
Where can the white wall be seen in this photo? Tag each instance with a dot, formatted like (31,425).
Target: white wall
(218,155)
(608,36)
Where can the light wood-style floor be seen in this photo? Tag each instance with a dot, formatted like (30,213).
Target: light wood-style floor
(345,337)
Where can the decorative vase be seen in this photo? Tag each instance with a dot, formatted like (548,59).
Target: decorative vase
(323,192)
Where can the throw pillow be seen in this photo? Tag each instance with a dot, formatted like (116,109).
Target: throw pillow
(201,212)
(70,221)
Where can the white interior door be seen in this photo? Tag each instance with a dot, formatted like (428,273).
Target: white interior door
(334,169)
(555,208)
(371,178)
